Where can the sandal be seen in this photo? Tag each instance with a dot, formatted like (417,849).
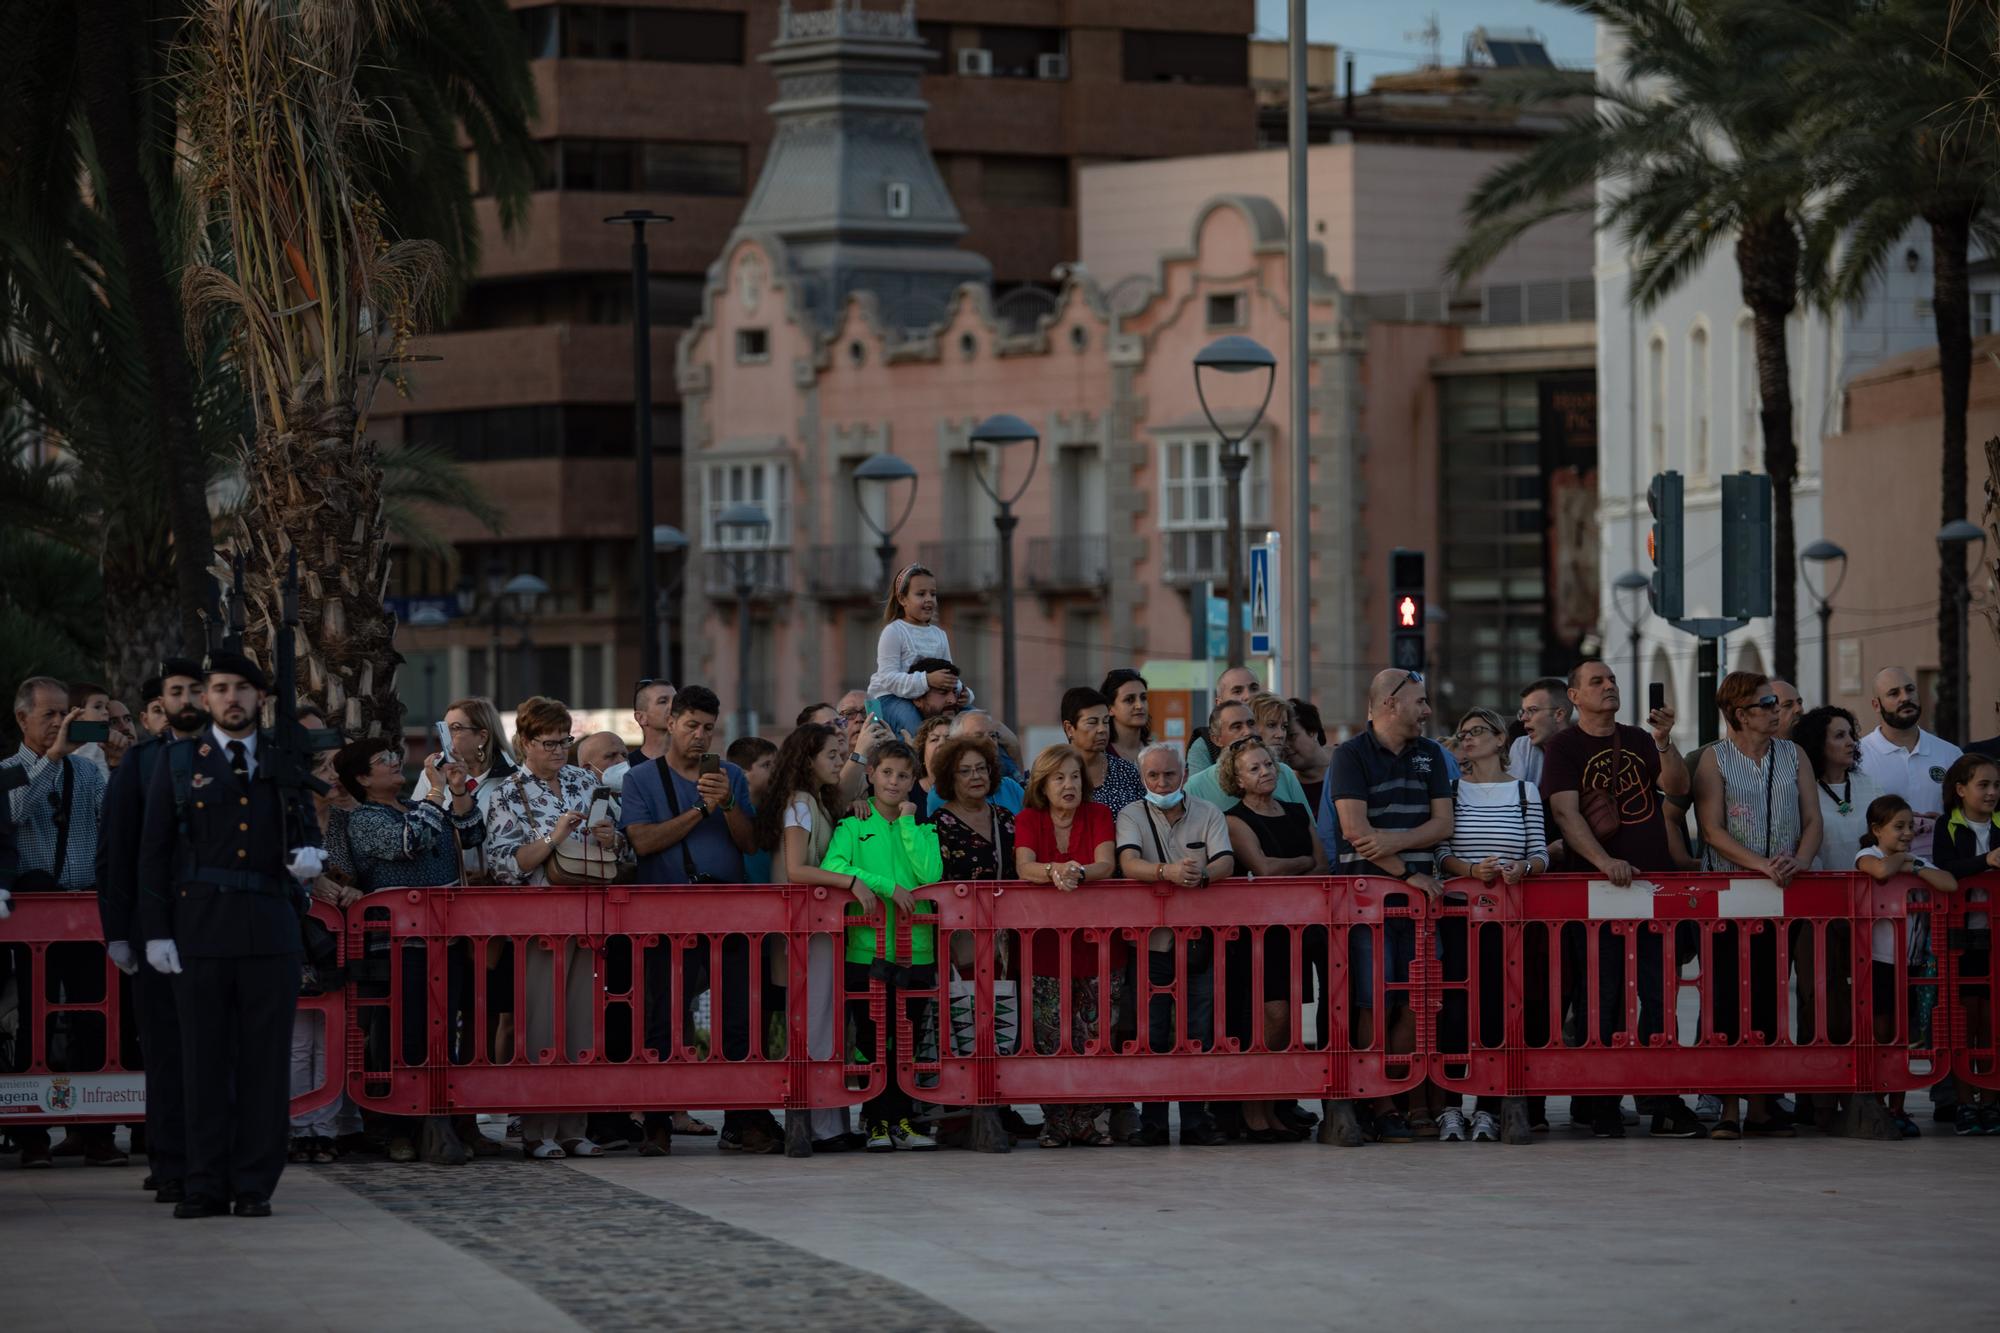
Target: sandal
(542,1150)
(1053,1138)
(1422,1124)
(1095,1138)
(581,1148)
(1725,1129)
(687,1124)
(323,1153)
(302,1150)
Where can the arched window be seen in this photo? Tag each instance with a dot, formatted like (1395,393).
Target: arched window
(1699,462)
(1749,432)
(1656,404)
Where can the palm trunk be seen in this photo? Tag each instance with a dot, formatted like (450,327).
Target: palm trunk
(1767,261)
(1951,240)
(107,32)
(142,624)
(321,492)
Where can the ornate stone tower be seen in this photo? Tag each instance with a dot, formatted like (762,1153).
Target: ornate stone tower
(849,184)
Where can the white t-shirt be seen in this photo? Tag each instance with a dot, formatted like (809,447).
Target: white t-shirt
(1915,775)
(1840,835)
(902,643)
(799,814)
(1882,944)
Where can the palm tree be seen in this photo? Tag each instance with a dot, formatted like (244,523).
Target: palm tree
(1694,147)
(1904,130)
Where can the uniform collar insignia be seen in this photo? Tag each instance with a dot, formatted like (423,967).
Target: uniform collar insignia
(205,750)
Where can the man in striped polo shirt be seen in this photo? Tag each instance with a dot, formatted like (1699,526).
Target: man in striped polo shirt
(1385,808)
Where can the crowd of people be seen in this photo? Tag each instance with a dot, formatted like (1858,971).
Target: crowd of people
(907,783)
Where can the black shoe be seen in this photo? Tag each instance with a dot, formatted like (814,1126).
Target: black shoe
(149,1183)
(841,1143)
(1017,1127)
(253,1207)
(1675,1121)
(200,1208)
(170,1191)
(1944,1113)
(1150,1136)
(1295,1118)
(1202,1136)
(1607,1121)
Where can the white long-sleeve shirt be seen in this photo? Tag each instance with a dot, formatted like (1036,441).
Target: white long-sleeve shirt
(901,644)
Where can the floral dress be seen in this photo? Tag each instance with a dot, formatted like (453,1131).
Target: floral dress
(413,848)
(526,809)
(968,853)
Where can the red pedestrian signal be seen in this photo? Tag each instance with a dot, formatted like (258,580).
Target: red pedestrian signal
(1406,613)
(1406,609)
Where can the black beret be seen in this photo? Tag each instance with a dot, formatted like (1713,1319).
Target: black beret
(236,664)
(180,666)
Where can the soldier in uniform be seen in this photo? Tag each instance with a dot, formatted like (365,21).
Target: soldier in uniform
(178,689)
(221,890)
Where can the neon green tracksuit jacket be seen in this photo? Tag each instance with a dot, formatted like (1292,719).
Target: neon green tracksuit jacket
(886,855)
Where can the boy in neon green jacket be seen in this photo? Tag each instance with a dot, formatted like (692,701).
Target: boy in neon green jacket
(885,856)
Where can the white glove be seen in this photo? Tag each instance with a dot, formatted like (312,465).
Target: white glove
(306,864)
(163,956)
(122,956)
(6,901)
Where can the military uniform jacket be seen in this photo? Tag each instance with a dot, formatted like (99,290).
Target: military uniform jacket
(219,888)
(119,829)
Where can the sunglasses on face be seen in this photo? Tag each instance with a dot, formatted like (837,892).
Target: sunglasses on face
(1768,701)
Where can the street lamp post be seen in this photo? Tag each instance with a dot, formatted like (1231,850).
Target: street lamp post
(1952,539)
(745,529)
(1235,355)
(1824,553)
(885,470)
(522,594)
(668,540)
(1001,430)
(1632,584)
(642,431)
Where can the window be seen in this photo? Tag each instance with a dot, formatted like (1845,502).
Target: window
(1187,57)
(1698,451)
(549,430)
(540,31)
(1193,503)
(1012,179)
(765,482)
(1225,310)
(1017,52)
(623,32)
(656,166)
(1749,432)
(674,300)
(1984,305)
(753,346)
(1656,403)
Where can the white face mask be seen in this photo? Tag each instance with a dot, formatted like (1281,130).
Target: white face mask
(614,776)
(1168,801)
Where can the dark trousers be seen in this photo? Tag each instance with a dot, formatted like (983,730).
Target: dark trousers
(1161,1029)
(892,1103)
(236,1044)
(166,1089)
(728,1007)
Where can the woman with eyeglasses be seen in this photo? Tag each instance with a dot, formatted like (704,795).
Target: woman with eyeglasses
(1499,833)
(412,845)
(1756,804)
(540,806)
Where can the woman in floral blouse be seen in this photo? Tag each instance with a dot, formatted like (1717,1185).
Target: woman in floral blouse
(540,805)
(396,844)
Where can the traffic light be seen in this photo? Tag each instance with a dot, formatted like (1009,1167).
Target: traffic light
(1668,593)
(1406,609)
(1746,545)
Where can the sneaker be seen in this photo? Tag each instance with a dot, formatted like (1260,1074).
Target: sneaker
(1606,1123)
(905,1135)
(1989,1118)
(1906,1125)
(103,1152)
(878,1137)
(1675,1121)
(1391,1127)
(1708,1108)
(1966,1123)
(1485,1129)
(1451,1125)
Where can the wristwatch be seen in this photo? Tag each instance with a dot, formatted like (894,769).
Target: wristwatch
(703,807)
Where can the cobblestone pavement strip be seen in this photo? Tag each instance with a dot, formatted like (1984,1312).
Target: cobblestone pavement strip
(616,1259)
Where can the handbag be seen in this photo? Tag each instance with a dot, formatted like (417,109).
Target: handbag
(580,861)
(1597,805)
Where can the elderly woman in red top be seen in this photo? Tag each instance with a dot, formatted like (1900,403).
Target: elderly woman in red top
(1065,841)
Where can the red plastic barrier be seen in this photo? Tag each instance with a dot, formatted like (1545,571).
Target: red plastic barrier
(1966,973)
(56,977)
(630,939)
(1273,930)
(1581,1005)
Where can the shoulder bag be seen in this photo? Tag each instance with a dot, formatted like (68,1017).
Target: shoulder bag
(580,861)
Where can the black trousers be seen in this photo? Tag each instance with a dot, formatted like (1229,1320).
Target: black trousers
(728,1007)
(166,1088)
(236,1047)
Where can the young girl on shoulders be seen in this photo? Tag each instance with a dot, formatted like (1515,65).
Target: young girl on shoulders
(910,633)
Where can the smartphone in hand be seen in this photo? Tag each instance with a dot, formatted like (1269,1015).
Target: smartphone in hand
(711,763)
(1656,696)
(82,733)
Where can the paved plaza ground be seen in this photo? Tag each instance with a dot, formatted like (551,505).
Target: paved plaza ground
(1812,1233)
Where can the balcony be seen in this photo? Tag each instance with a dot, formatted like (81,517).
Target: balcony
(770,574)
(1194,554)
(844,570)
(963,567)
(1069,564)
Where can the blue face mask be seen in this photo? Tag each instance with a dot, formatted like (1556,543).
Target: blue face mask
(1167,802)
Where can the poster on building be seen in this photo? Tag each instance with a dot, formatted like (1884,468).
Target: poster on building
(1570,533)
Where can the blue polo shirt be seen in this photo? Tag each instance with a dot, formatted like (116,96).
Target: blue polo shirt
(645,802)
(1398,787)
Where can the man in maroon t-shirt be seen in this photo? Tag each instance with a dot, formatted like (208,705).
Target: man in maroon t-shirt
(1634,767)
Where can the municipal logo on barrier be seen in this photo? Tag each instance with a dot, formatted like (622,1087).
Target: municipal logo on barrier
(30,1096)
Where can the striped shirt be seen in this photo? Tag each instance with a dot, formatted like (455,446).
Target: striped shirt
(1398,787)
(1501,819)
(35,808)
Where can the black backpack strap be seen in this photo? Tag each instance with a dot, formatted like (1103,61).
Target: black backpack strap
(62,821)
(674,812)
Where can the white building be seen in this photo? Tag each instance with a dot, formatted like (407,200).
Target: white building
(1677,390)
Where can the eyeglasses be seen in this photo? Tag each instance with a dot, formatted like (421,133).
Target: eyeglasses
(973,771)
(1467,733)
(554,744)
(1536,710)
(456,727)
(1416,676)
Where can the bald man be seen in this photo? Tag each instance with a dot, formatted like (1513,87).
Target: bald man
(1903,758)
(1237,684)
(1790,706)
(600,751)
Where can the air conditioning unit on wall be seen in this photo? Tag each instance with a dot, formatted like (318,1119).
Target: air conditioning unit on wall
(974,60)
(1053,65)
